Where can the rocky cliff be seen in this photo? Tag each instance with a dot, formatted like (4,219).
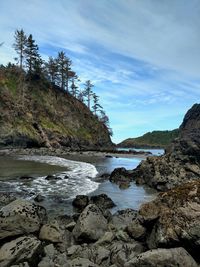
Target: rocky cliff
(35,114)
(181,161)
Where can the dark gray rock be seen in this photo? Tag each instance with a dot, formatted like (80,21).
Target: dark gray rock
(80,202)
(102,201)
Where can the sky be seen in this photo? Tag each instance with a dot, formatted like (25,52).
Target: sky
(143,56)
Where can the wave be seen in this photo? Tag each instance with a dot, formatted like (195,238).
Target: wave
(77,179)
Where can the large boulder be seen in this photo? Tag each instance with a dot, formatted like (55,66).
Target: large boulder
(80,202)
(102,201)
(122,177)
(51,232)
(172,219)
(23,248)
(122,218)
(181,161)
(21,217)
(163,257)
(91,224)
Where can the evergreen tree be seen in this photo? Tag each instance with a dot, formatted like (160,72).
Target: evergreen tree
(33,59)
(88,92)
(105,120)
(51,69)
(96,106)
(64,70)
(74,87)
(20,45)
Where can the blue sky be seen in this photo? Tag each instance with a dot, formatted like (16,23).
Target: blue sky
(142,55)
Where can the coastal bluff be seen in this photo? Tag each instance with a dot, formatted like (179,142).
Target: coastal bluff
(35,114)
(180,163)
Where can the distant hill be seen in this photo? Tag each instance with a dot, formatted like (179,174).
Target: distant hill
(155,139)
(35,114)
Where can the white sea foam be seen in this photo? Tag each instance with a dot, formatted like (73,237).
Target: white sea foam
(77,179)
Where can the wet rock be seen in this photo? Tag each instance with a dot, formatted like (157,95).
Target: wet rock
(24,248)
(102,201)
(52,177)
(51,232)
(121,219)
(26,177)
(80,202)
(91,225)
(6,198)
(163,257)
(21,217)
(39,198)
(121,176)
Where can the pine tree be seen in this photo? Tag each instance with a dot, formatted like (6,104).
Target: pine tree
(103,118)
(88,92)
(20,45)
(64,70)
(74,87)
(33,59)
(96,106)
(51,69)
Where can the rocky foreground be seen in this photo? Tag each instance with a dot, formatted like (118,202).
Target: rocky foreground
(164,232)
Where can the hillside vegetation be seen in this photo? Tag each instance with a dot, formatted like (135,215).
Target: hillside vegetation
(35,113)
(155,139)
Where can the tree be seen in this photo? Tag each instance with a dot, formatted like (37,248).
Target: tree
(88,92)
(20,45)
(33,59)
(51,69)
(64,70)
(96,106)
(74,87)
(105,120)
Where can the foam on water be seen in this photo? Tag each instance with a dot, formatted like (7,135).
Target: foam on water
(77,179)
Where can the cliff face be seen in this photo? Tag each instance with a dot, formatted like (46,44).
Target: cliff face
(32,114)
(155,139)
(181,161)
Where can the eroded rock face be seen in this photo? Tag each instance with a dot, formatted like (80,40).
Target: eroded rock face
(21,249)
(20,217)
(91,224)
(163,257)
(173,218)
(181,161)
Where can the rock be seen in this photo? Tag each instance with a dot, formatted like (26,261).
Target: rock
(81,262)
(163,257)
(136,230)
(181,162)
(6,198)
(102,201)
(23,248)
(39,198)
(21,217)
(123,252)
(173,218)
(80,202)
(121,176)
(70,226)
(51,232)
(106,239)
(122,236)
(26,177)
(91,225)
(52,177)
(121,219)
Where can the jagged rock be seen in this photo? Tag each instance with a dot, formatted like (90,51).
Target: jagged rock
(21,217)
(102,201)
(51,232)
(91,224)
(136,230)
(181,161)
(106,239)
(121,176)
(80,202)
(123,252)
(163,257)
(21,249)
(81,262)
(6,198)
(173,218)
(121,219)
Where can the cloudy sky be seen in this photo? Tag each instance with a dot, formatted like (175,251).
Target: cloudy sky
(142,55)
